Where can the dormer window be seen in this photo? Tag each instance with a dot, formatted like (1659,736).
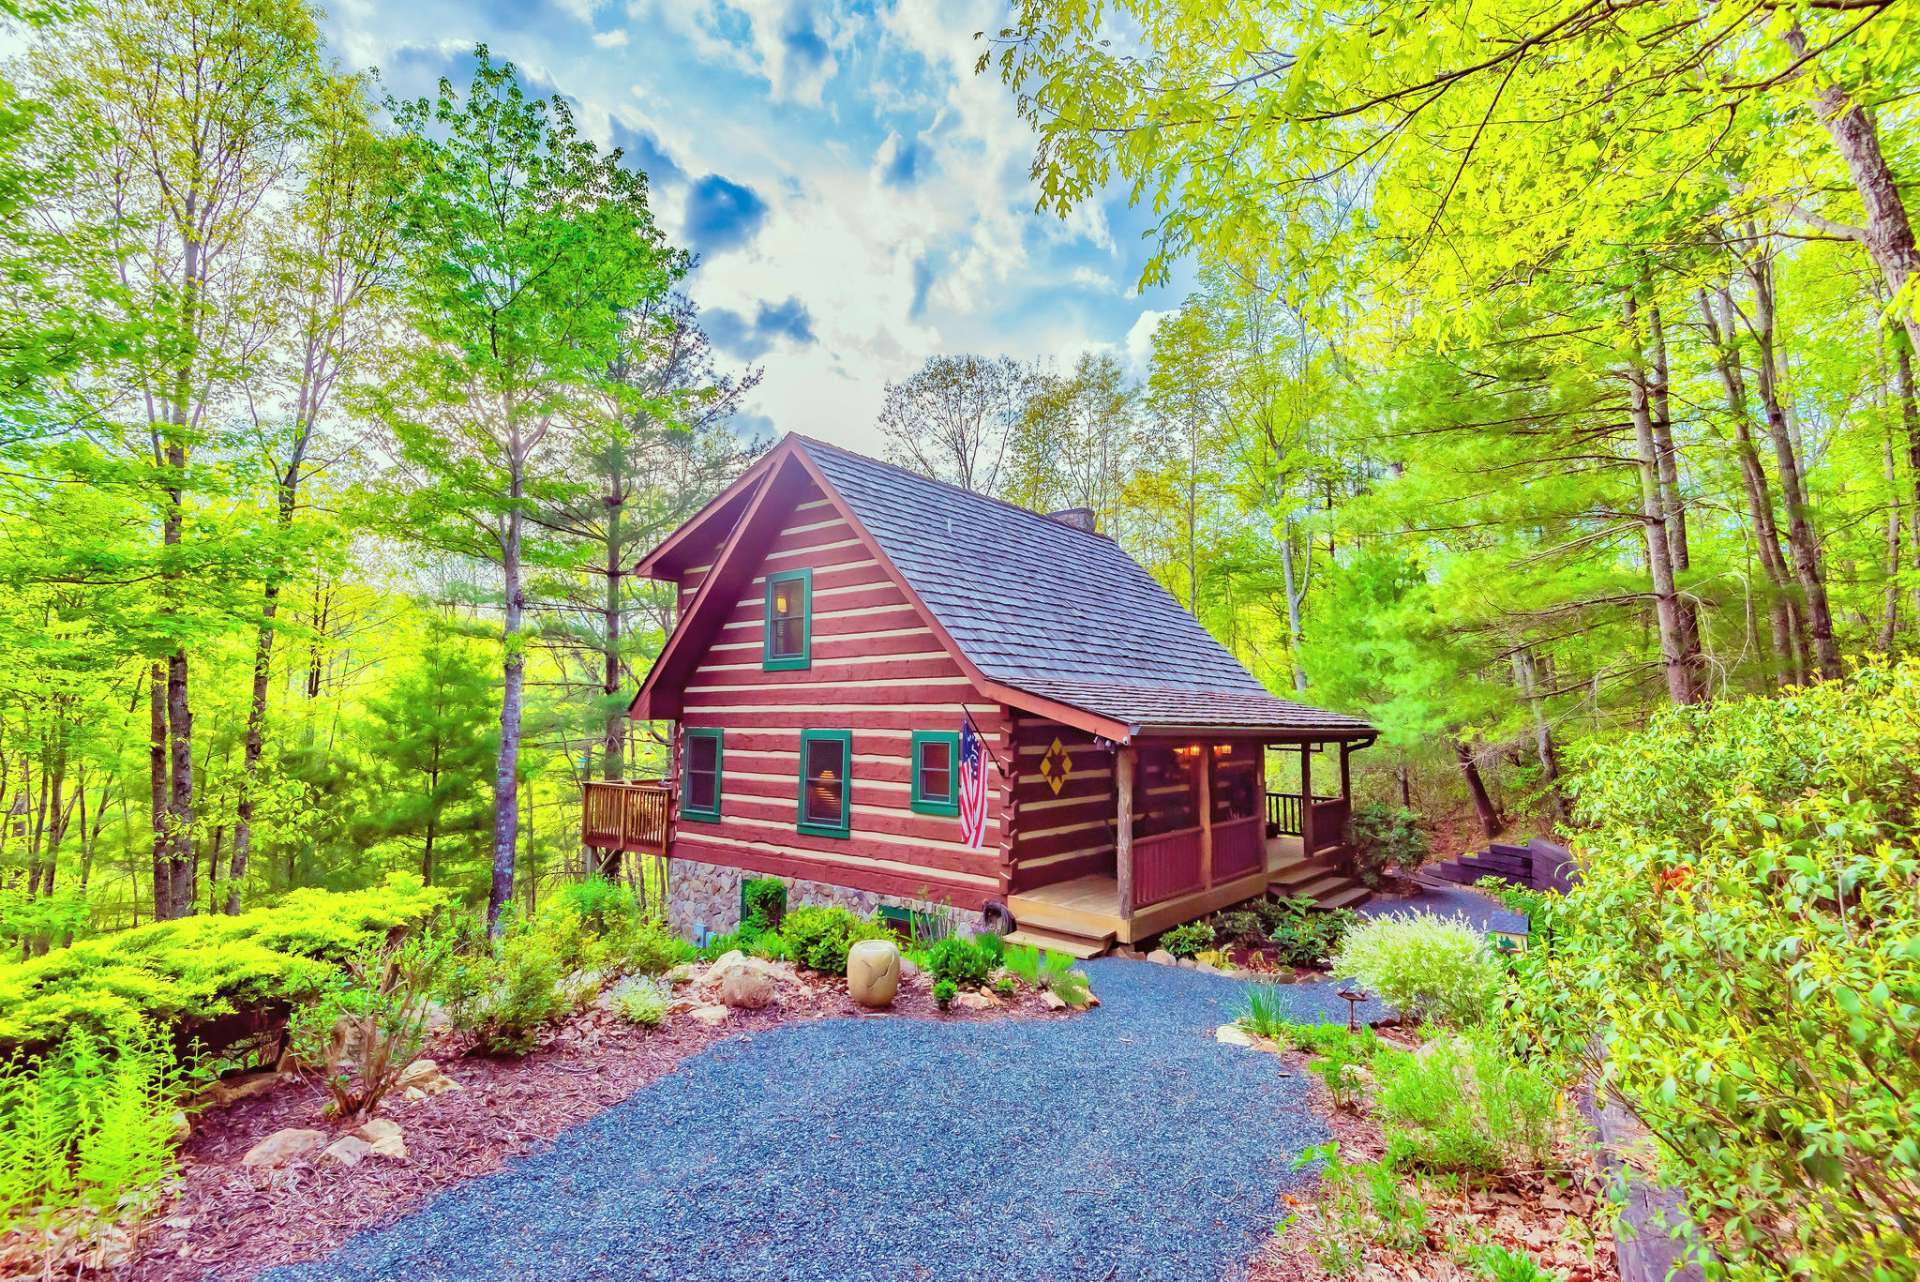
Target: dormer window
(789,611)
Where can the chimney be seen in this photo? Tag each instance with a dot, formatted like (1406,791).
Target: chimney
(1080,518)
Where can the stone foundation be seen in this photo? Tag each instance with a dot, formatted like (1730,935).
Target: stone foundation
(704,899)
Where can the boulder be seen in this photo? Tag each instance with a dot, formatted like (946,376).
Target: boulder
(711,1016)
(743,982)
(971,1000)
(182,1126)
(1160,957)
(348,1150)
(873,972)
(1232,1035)
(231,1090)
(684,973)
(1052,1000)
(283,1146)
(383,1139)
(422,1079)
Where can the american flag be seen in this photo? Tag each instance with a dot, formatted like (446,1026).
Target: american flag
(973,787)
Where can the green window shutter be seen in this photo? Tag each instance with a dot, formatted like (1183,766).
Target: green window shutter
(936,772)
(787,634)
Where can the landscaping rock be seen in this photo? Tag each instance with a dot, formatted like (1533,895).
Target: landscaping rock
(743,982)
(873,972)
(1161,957)
(422,1079)
(684,973)
(711,1016)
(231,1090)
(970,1000)
(383,1138)
(908,969)
(1052,1000)
(348,1150)
(283,1146)
(1232,1035)
(182,1126)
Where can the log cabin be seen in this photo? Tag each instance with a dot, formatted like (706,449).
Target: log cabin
(901,696)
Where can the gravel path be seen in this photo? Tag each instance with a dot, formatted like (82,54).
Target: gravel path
(1450,900)
(1123,1144)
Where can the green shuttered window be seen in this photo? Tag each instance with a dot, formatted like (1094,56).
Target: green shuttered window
(700,774)
(789,627)
(826,786)
(936,757)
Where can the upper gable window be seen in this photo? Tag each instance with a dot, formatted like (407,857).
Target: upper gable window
(789,638)
(936,767)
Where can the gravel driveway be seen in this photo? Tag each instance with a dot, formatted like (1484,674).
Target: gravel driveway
(1120,1144)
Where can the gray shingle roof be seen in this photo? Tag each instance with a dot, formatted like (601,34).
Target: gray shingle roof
(1057,611)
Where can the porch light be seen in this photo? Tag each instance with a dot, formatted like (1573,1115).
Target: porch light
(1223,749)
(780,602)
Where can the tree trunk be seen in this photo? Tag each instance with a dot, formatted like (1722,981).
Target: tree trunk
(1890,605)
(613,741)
(1526,677)
(1294,595)
(1889,232)
(1659,382)
(1678,660)
(255,742)
(1490,821)
(1801,541)
(506,790)
(1910,419)
(157,782)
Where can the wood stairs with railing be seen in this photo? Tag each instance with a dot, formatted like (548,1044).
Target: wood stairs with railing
(1316,877)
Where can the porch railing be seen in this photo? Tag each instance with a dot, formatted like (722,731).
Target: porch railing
(1283,812)
(630,814)
(1164,865)
(1329,816)
(1238,848)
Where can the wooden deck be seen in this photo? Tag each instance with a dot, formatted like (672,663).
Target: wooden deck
(1089,906)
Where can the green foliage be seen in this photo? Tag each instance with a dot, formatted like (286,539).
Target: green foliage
(186,974)
(1498,1263)
(36,922)
(1005,986)
(601,906)
(507,991)
(1238,926)
(1744,938)
(943,993)
(1386,839)
(1362,1203)
(1043,969)
(87,1129)
(765,899)
(645,947)
(1425,966)
(1265,1013)
(819,937)
(1464,1103)
(643,1003)
(1302,934)
(964,960)
(770,946)
(369,1020)
(1187,940)
(1532,904)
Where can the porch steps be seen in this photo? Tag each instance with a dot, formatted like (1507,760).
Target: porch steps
(1318,879)
(1078,947)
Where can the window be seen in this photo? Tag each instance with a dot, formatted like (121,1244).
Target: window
(826,800)
(700,774)
(936,762)
(789,620)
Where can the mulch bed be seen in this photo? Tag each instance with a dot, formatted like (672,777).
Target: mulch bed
(1563,1224)
(229,1222)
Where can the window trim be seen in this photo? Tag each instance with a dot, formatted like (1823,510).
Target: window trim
(922,804)
(801,824)
(769,662)
(719,736)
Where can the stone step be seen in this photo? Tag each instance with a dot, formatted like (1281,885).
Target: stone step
(1078,947)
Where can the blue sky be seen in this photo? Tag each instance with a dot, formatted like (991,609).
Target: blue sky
(859,198)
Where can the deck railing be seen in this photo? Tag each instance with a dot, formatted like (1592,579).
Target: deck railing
(1238,848)
(1164,865)
(1329,815)
(1283,812)
(631,814)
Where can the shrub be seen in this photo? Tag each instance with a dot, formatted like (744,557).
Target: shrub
(1386,839)
(764,903)
(506,993)
(33,923)
(1041,969)
(965,961)
(369,1021)
(217,979)
(1424,966)
(1361,1203)
(1005,986)
(944,993)
(1265,1013)
(1239,926)
(1742,936)
(1187,940)
(1464,1103)
(1302,934)
(1498,1264)
(642,1003)
(602,906)
(770,946)
(647,948)
(820,937)
(87,1129)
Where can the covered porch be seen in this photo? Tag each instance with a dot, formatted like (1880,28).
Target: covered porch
(1198,826)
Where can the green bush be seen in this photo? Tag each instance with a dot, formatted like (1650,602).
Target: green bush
(1744,939)
(764,900)
(642,1003)
(1498,1264)
(34,923)
(505,994)
(943,993)
(217,979)
(87,1129)
(1361,1203)
(644,947)
(1187,940)
(964,961)
(1386,839)
(369,1021)
(819,937)
(1302,934)
(1464,1103)
(1005,986)
(603,906)
(1239,926)
(1424,966)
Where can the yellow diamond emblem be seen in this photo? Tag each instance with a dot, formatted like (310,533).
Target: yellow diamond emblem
(1055,766)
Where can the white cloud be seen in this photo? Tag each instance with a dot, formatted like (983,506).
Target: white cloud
(614,39)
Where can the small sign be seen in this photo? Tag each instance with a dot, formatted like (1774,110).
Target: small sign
(1055,766)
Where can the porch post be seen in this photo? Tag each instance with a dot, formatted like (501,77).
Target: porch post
(1346,776)
(1123,826)
(1306,799)
(1206,814)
